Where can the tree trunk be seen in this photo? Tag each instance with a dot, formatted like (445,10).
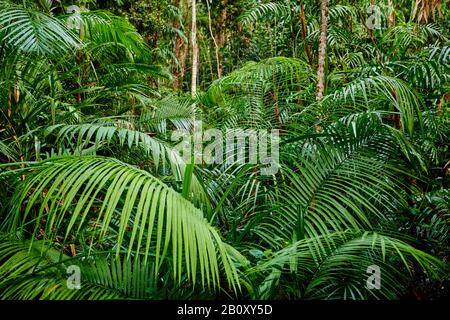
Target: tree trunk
(181,48)
(216,46)
(194,46)
(425,9)
(178,71)
(221,35)
(322,49)
(305,33)
(391,14)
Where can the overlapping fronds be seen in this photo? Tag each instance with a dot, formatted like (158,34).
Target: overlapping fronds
(120,134)
(32,31)
(105,32)
(365,92)
(177,111)
(259,94)
(121,207)
(48,274)
(341,181)
(335,266)
(270,11)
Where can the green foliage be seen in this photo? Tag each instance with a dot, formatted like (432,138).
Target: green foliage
(125,209)
(330,267)
(32,31)
(92,178)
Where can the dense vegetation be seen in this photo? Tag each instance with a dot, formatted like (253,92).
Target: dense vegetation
(91,91)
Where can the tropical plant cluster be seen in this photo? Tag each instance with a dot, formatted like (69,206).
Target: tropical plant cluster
(91,92)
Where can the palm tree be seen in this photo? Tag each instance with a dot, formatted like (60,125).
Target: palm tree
(93,182)
(194,48)
(112,49)
(322,49)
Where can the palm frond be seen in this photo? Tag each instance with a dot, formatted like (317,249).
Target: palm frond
(266,12)
(31,31)
(260,94)
(335,266)
(342,181)
(399,95)
(48,274)
(105,31)
(112,199)
(6,151)
(119,133)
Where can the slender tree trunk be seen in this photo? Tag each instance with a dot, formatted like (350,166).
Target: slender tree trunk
(181,48)
(221,35)
(322,50)
(183,62)
(194,46)
(396,117)
(391,14)
(351,24)
(10,94)
(444,100)
(305,32)
(216,46)
(178,67)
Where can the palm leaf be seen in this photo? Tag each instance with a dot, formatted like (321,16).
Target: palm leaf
(334,266)
(395,91)
(38,271)
(106,198)
(32,31)
(109,132)
(343,180)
